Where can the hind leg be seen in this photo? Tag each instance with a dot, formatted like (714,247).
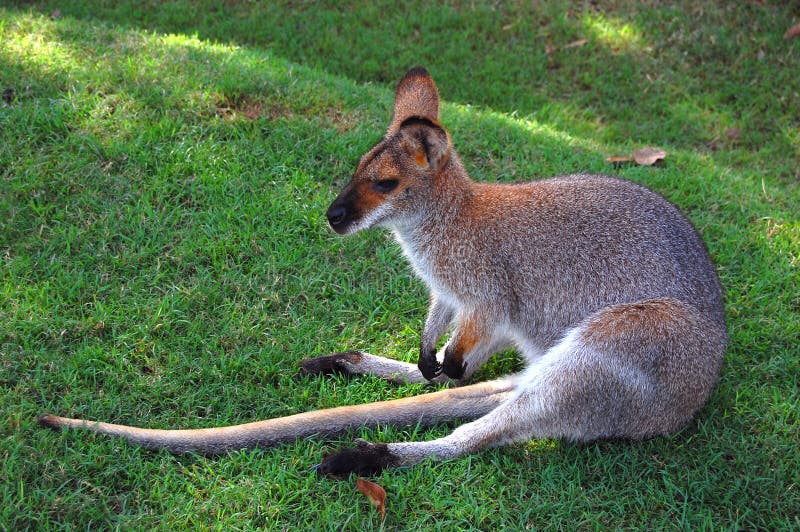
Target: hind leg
(541,399)
(630,371)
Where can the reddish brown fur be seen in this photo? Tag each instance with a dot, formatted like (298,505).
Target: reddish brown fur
(368,199)
(416,95)
(627,320)
(470,333)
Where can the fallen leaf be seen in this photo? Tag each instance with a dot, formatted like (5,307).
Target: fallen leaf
(733,133)
(375,494)
(792,33)
(575,44)
(648,156)
(616,159)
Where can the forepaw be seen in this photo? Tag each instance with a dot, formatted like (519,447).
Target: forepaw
(337,363)
(366,459)
(453,368)
(429,366)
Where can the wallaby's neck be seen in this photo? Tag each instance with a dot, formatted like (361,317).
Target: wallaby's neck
(436,223)
(449,196)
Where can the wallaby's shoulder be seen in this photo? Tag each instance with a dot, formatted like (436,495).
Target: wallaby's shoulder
(599,185)
(573,195)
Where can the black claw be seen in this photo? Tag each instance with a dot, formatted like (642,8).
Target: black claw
(429,366)
(367,459)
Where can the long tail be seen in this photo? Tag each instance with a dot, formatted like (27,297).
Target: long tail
(468,402)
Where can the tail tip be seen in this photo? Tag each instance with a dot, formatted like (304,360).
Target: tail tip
(50,421)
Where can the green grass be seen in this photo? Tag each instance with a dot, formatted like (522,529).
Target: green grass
(164,171)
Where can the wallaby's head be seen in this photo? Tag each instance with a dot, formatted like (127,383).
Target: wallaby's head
(393,180)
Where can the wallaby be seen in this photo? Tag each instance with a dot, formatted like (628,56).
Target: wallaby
(604,287)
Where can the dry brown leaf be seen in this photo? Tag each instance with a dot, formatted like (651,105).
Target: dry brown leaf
(733,133)
(375,494)
(616,159)
(792,33)
(575,44)
(648,156)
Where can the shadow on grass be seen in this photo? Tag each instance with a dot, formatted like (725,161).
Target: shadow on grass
(658,75)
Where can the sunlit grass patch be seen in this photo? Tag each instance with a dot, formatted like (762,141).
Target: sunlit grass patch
(617,35)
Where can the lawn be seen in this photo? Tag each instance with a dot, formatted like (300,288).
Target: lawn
(166,262)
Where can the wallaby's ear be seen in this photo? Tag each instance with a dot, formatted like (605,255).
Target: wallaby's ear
(426,142)
(416,95)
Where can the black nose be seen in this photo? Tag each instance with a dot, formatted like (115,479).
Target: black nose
(336,215)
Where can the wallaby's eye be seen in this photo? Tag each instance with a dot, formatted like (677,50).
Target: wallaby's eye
(385,186)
